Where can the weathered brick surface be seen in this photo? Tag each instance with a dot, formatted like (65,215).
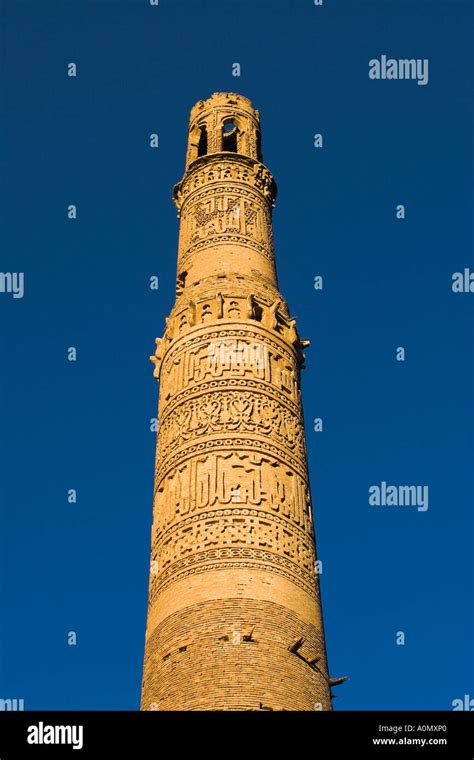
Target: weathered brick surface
(233,654)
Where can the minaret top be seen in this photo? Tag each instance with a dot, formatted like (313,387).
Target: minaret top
(224,123)
(218,99)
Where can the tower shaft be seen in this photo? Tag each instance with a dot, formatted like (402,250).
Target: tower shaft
(234,617)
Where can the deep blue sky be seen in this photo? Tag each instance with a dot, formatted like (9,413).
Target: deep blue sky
(387,283)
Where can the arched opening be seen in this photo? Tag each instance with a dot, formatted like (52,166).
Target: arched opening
(202,144)
(180,282)
(230,133)
(259,145)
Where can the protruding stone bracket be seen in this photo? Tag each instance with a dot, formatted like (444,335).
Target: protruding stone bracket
(336,681)
(295,649)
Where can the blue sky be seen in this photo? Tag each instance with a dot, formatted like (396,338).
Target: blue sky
(387,283)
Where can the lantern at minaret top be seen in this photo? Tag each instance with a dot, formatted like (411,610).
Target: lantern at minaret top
(224,123)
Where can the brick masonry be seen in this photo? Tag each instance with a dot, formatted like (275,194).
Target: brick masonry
(234,617)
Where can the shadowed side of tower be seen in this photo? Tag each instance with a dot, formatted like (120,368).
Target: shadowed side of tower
(234,617)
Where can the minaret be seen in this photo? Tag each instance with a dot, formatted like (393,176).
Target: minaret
(234,617)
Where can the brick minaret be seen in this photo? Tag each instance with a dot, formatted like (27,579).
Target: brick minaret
(234,618)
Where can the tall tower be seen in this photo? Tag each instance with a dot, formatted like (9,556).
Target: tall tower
(234,618)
